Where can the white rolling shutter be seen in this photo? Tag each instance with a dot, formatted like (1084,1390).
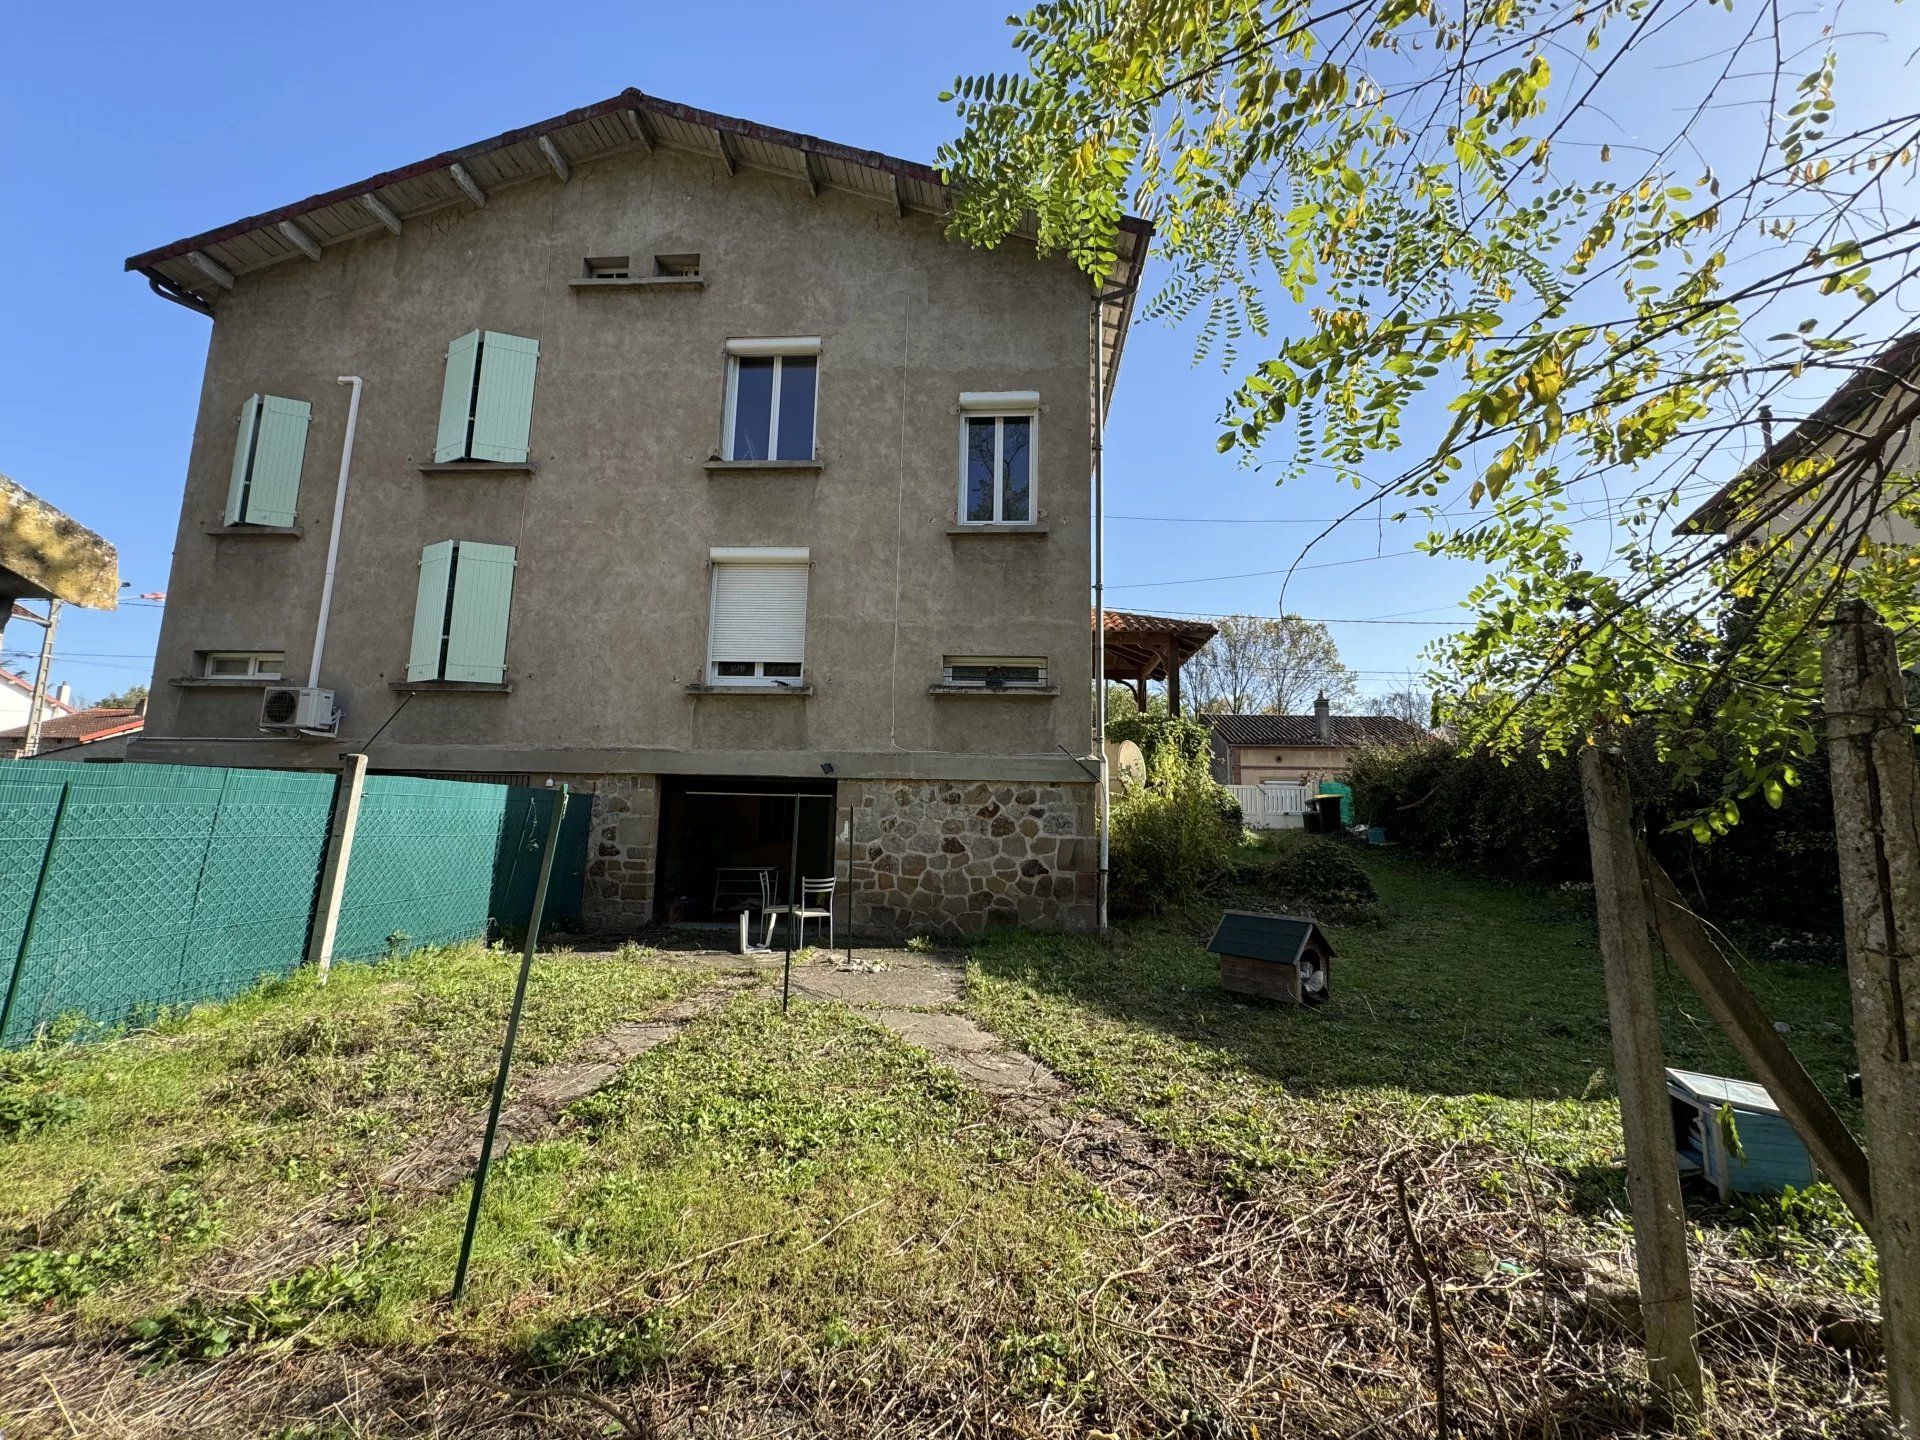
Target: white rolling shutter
(759,610)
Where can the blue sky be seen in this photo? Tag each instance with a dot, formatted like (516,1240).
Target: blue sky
(126,128)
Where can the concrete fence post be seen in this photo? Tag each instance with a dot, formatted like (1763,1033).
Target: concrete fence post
(1633,1007)
(1876,813)
(333,864)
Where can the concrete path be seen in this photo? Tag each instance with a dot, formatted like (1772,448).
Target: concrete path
(919,997)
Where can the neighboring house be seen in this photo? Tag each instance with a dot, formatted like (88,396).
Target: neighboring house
(46,554)
(16,700)
(1254,749)
(1880,397)
(102,732)
(694,465)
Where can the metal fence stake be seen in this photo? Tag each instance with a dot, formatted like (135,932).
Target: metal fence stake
(33,909)
(793,905)
(506,1046)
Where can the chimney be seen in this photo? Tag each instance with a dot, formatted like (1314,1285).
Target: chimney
(140,707)
(1323,718)
(64,694)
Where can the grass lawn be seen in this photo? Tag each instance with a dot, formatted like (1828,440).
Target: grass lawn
(804,1225)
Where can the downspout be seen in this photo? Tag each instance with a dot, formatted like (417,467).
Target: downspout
(333,538)
(167,290)
(1100,599)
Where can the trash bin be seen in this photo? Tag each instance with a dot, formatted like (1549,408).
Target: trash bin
(1323,815)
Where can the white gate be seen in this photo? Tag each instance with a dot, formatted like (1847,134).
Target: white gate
(1273,806)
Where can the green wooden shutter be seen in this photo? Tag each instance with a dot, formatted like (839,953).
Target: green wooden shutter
(482,596)
(430,611)
(242,459)
(503,413)
(456,398)
(279,447)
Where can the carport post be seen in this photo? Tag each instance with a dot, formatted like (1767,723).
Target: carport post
(333,864)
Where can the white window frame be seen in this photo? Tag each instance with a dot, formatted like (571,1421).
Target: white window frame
(755,555)
(949,663)
(260,664)
(1000,406)
(778,349)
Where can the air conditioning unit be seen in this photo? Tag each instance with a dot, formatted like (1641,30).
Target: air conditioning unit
(303,708)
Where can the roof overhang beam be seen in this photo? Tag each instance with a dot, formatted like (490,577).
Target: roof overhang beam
(469,186)
(291,232)
(211,268)
(381,211)
(557,162)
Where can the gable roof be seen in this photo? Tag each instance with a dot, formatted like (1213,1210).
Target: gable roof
(1865,388)
(1137,645)
(1279,938)
(14,681)
(83,727)
(196,270)
(1348,730)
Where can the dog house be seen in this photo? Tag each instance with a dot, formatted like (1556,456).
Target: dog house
(1277,957)
(1757,1154)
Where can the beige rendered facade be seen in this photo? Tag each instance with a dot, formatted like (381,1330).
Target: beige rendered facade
(968,803)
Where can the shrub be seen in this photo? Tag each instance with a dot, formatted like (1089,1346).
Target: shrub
(1320,877)
(1191,741)
(1526,820)
(1172,839)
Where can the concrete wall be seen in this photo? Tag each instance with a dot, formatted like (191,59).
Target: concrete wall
(610,608)
(1256,764)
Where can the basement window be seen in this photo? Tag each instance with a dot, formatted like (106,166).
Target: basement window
(676,267)
(609,267)
(995,672)
(242,664)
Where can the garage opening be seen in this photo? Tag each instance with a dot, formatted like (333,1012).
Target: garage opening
(726,843)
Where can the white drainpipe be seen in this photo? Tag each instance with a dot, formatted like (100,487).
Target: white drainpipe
(1100,611)
(333,538)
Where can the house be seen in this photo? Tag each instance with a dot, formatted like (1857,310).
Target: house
(679,458)
(46,554)
(1255,749)
(101,732)
(1869,429)
(16,700)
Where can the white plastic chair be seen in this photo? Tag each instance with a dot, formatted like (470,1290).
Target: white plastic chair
(816,903)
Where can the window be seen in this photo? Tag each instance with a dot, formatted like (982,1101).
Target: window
(995,672)
(677,267)
(460,613)
(609,267)
(996,458)
(486,406)
(758,631)
(266,461)
(770,399)
(242,664)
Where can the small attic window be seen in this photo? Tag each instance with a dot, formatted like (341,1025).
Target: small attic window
(609,267)
(679,267)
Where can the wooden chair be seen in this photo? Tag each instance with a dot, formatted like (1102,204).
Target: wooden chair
(816,903)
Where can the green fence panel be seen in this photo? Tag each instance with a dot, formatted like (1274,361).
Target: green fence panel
(168,884)
(439,861)
(172,884)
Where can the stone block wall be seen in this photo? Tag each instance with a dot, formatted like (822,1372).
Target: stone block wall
(621,851)
(951,858)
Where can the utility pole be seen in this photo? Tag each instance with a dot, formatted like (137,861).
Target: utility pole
(36,708)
